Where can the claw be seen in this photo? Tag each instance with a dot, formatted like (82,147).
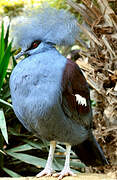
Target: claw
(64,173)
(66,170)
(46,172)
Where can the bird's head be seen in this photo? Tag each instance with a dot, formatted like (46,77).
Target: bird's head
(39,29)
(36,47)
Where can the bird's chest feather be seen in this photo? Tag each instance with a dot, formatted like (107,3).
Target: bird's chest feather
(36,74)
(36,84)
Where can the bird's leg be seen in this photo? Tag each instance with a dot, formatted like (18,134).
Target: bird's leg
(66,170)
(48,170)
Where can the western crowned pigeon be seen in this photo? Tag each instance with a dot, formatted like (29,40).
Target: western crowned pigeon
(50,95)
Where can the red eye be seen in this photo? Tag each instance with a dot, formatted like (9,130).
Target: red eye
(34,45)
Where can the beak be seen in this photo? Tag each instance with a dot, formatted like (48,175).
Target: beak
(21,53)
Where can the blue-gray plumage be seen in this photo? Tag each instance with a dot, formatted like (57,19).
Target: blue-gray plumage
(36,95)
(50,95)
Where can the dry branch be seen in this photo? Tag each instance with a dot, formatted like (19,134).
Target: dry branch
(101,70)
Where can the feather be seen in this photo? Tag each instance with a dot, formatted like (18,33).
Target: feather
(46,24)
(76,95)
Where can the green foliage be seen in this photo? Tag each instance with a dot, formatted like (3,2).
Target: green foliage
(22,154)
(3,125)
(5,54)
(11,173)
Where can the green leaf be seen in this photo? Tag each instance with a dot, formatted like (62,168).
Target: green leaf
(5,102)
(39,162)
(77,164)
(5,53)
(2,44)
(11,173)
(34,144)
(60,148)
(24,147)
(13,132)
(3,126)
(4,64)
(59,164)
(6,37)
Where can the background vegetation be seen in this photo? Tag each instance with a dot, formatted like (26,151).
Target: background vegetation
(21,153)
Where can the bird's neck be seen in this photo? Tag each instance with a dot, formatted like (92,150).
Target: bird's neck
(49,46)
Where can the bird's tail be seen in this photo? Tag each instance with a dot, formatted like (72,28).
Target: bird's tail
(90,152)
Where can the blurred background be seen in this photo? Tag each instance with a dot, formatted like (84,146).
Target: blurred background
(95,51)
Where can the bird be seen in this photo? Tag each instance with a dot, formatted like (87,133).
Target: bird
(49,92)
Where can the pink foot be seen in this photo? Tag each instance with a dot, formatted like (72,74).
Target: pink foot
(45,172)
(63,173)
